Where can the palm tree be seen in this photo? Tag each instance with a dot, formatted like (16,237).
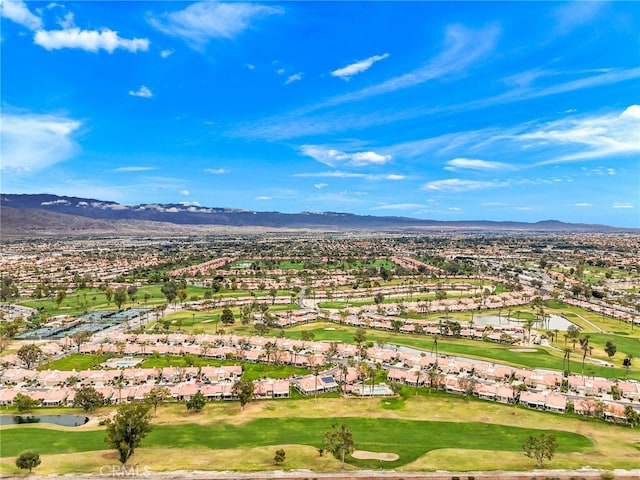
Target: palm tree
(567,354)
(528,324)
(584,345)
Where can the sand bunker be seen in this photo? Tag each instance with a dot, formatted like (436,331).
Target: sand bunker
(364,455)
(329,328)
(523,350)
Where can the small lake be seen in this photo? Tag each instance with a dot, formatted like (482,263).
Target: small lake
(556,322)
(63,420)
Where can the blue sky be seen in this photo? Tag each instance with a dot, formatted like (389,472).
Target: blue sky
(452,110)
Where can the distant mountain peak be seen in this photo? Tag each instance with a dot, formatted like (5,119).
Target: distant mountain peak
(190,214)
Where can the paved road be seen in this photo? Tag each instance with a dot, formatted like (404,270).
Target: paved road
(108,473)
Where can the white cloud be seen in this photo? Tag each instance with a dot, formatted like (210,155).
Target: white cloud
(333,157)
(200,22)
(166,53)
(143,92)
(575,14)
(67,21)
(583,204)
(340,174)
(358,67)
(250,66)
(454,209)
(263,198)
(89,40)
(32,142)
(134,169)
(473,164)
(462,47)
(393,176)
(459,185)
(184,192)
(293,78)
(590,137)
(622,205)
(320,185)
(399,206)
(17,11)
(216,171)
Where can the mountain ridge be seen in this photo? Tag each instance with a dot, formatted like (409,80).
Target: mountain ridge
(189,214)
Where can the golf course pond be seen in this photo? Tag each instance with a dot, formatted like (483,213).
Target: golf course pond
(63,420)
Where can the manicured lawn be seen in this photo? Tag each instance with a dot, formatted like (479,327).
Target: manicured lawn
(409,439)
(252,371)
(624,344)
(505,354)
(76,361)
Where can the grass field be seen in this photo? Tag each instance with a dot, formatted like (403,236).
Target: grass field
(427,431)
(252,371)
(505,354)
(77,362)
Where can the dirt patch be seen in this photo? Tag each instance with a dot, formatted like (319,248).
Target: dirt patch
(365,455)
(523,350)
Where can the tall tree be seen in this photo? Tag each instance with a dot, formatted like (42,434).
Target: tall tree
(169,290)
(81,337)
(25,403)
(88,398)
(28,460)
(156,396)
(197,402)
(243,389)
(610,348)
(541,447)
(29,354)
(227,316)
(573,332)
(584,346)
(126,430)
(120,297)
(339,441)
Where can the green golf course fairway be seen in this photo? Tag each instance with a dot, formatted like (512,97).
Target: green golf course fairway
(409,439)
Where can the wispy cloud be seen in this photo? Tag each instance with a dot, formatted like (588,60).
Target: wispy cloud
(33,142)
(358,67)
(296,77)
(166,53)
(143,92)
(461,185)
(185,192)
(474,164)
(583,204)
(134,169)
(622,205)
(399,206)
(575,14)
(89,40)
(320,185)
(17,11)
(333,157)
(203,21)
(461,48)
(590,137)
(217,171)
(340,174)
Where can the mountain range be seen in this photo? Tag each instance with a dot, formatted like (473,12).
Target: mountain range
(32,214)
